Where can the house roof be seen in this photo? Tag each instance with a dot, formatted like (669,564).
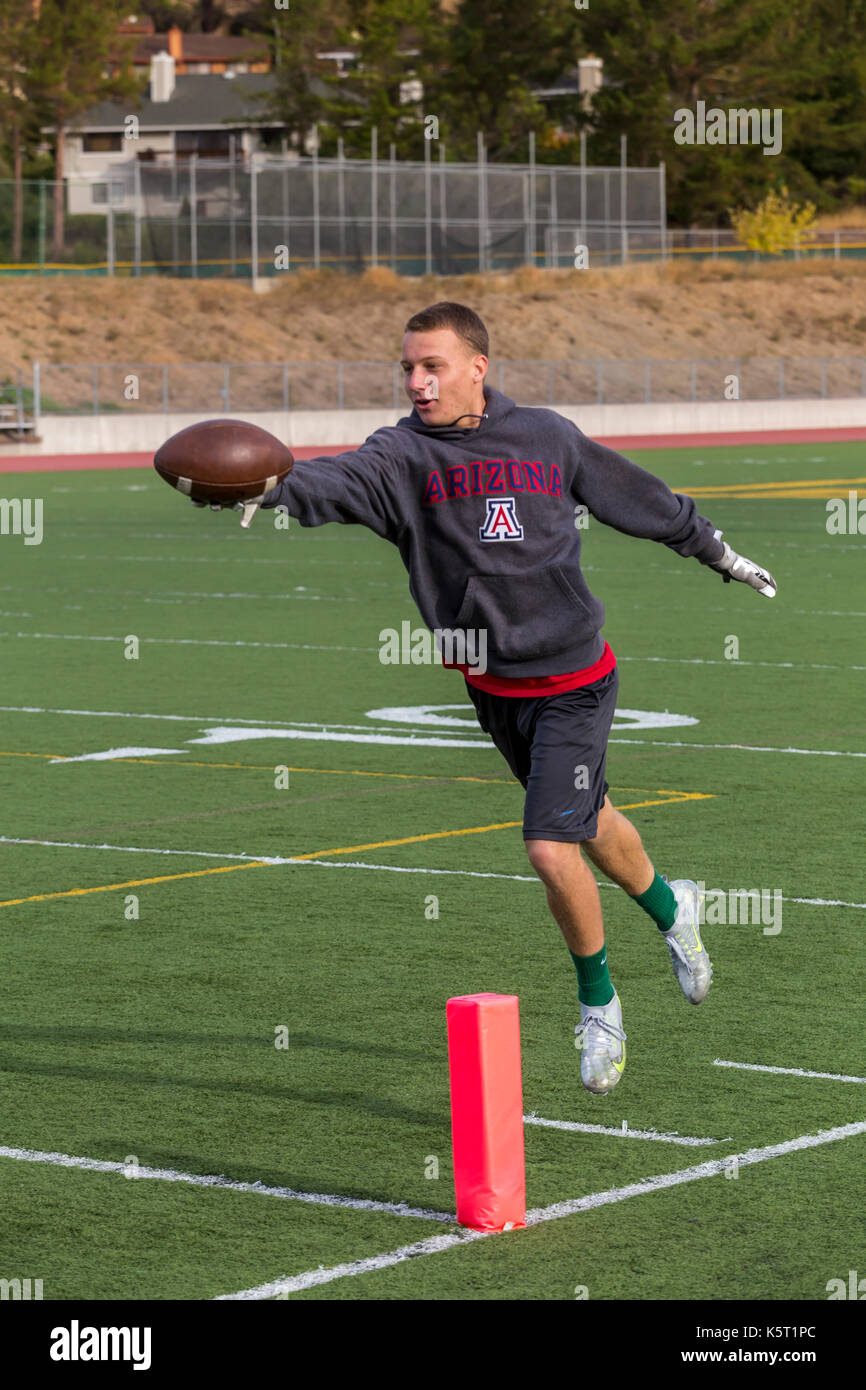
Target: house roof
(200,101)
(204,48)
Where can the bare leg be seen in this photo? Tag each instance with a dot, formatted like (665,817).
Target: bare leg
(572,893)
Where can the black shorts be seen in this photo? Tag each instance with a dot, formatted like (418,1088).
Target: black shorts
(556,746)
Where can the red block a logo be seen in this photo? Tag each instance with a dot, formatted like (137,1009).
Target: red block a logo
(501,522)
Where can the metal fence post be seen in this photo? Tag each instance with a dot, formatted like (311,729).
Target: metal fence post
(443,216)
(341,200)
(374,196)
(479,156)
(317,244)
(532,197)
(553,220)
(254,222)
(41,226)
(428,209)
(623,185)
(583,240)
(193,215)
(174,221)
(393,206)
(663,212)
(109,236)
(285,191)
(136,197)
(233,237)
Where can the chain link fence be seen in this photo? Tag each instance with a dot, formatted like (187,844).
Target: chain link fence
(258,217)
(227,388)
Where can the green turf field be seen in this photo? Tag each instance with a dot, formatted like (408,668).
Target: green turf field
(147,1041)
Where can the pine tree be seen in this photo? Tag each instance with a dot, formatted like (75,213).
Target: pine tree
(75,48)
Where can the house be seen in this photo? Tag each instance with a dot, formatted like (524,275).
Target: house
(194,54)
(206,115)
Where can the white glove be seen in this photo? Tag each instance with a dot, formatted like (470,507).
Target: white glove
(249,508)
(734,566)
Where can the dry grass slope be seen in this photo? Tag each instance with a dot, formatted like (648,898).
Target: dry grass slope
(814,308)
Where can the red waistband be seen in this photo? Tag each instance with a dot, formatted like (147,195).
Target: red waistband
(539,685)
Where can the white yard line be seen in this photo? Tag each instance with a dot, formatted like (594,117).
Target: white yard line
(791,1071)
(743,747)
(479,738)
(577,1127)
(190,642)
(434,1244)
(347,864)
(139,1172)
(202,642)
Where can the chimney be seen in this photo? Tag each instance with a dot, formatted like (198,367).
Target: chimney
(175,43)
(161,77)
(589,79)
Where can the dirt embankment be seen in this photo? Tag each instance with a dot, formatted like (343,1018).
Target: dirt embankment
(682,310)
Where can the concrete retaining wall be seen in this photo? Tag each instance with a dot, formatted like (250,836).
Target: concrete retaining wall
(94,434)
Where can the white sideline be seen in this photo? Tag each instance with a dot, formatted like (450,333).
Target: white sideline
(791,1071)
(137,1172)
(434,1244)
(345,864)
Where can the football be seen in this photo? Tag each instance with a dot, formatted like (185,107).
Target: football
(223,461)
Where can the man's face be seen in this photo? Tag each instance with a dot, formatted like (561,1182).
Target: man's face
(444,378)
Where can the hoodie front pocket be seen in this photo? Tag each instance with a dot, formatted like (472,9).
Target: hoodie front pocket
(526,616)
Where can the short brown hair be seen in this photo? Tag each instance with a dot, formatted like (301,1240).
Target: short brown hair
(463,320)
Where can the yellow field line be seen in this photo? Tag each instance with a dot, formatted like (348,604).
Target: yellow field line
(784,482)
(813,493)
(670,800)
(480,829)
(269,767)
(131,883)
(808,487)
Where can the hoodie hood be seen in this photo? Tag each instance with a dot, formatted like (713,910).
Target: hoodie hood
(496,407)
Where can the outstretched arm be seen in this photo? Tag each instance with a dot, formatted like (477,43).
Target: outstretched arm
(636,502)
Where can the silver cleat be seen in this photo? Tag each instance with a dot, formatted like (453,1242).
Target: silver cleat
(688,955)
(600,1038)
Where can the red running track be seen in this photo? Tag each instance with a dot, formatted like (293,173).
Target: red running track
(66,463)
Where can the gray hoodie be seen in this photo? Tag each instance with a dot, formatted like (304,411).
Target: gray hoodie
(485,522)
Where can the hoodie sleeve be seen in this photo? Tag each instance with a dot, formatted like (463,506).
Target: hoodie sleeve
(361,487)
(630,499)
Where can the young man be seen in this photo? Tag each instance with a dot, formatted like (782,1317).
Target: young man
(479,495)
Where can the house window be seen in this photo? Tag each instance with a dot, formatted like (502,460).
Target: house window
(99,193)
(100,142)
(207,144)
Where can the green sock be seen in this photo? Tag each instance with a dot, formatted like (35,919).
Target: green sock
(659,902)
(593,981)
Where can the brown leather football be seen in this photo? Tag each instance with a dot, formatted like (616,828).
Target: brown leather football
(224,461)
